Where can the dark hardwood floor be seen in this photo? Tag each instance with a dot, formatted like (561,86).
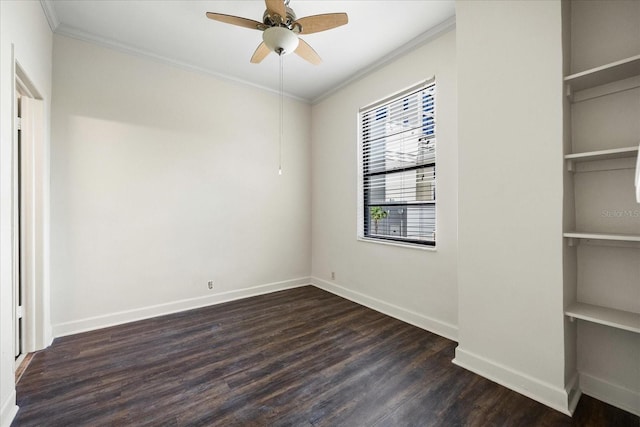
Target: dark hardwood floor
(301,357)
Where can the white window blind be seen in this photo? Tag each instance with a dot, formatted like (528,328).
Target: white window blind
(398,167)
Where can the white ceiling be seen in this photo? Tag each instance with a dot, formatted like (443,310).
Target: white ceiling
(178,31)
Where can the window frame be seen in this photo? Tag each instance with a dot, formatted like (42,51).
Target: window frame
(364,233)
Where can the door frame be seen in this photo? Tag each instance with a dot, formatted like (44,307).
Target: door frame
(30,219)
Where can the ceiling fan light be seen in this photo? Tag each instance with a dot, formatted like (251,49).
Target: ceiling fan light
(280,38)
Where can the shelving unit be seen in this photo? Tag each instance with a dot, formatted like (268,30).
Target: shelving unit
(588,79)
(601,229)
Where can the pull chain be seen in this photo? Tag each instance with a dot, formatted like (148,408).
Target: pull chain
(281,113)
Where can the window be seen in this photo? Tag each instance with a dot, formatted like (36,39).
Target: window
(397,156)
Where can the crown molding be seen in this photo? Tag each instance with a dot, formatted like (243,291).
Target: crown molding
(50,14)
(75,33)
(60,28)
(424,38)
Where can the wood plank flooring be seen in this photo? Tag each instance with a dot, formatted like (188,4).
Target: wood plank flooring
(301,357)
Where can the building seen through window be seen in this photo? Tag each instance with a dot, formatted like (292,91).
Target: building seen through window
(398,155)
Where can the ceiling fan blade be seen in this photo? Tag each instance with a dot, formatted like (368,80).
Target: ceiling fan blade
(261,52)
(317,23)
(306,52)
(236,20)
(277,6)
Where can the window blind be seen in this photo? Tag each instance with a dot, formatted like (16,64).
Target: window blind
(398,166)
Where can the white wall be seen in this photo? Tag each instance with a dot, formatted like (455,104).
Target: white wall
(510,196)
(26,38)
(163,179)
(603,31)
(417,285)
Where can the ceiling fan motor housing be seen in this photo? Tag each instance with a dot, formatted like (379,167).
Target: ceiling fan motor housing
(277,20)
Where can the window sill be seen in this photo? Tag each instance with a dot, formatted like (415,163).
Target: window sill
(399,244)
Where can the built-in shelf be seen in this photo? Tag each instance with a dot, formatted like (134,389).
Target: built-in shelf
(604,74)
(603,236)
(605,316)
(589,156)
(615,153)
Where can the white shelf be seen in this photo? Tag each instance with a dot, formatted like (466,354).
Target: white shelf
(615,153)
(605,316)
(604,74)
(603,236)
(589,156)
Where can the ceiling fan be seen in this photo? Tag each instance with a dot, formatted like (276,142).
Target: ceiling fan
(281,28)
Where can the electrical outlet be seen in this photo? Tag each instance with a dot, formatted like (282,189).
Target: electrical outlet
(210,284)
(333,275)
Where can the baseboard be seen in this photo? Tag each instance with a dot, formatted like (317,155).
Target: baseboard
(113,319)
(48,335)
(573,391)
(438,327)
(554,397)
(613,394)
(9,410)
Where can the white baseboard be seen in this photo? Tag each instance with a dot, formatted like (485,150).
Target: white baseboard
(554,397)
(9,410)
(573,392)
(438,327)
(98,322)
(612,394)
(48,335)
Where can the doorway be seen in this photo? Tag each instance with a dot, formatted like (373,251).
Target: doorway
(29,225)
